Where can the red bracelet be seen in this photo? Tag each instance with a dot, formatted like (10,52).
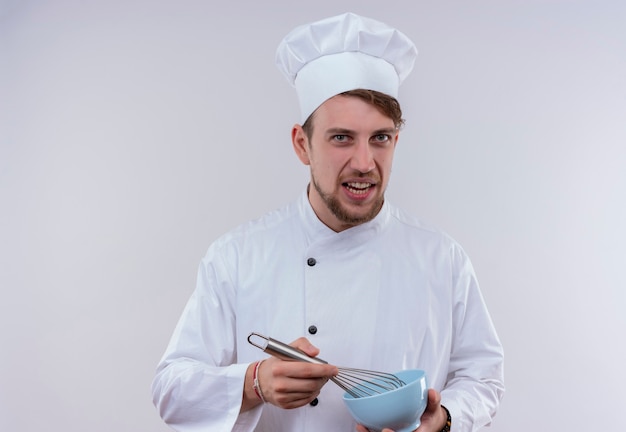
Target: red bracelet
(255,381)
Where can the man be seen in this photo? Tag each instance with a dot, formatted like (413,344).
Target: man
(370,286)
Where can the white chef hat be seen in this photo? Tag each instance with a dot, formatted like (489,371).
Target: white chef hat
(342,53)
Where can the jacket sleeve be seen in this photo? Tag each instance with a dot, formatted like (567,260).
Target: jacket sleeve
(475,382)
(198,384)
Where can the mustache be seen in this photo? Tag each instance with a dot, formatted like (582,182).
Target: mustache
(370,177)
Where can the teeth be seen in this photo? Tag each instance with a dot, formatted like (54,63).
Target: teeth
(359,185)
(358,188)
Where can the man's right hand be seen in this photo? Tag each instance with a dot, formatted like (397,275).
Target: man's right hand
(288,384)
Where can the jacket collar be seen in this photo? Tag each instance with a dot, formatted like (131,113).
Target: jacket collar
(316,230)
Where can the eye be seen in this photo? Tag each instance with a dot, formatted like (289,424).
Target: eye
(340,138)
(381,138)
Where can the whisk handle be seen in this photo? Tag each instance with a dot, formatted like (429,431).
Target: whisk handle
(282,350)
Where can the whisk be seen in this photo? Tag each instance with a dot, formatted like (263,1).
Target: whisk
(356,382)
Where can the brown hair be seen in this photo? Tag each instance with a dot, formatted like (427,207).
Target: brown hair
(387,105)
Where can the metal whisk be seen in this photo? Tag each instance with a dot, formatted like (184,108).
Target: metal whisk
(356,382)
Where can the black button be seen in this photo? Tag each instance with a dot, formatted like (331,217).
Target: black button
(314,402)
(311,262)
(312,329)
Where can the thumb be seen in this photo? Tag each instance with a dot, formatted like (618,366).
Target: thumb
(434,399)
(305,346)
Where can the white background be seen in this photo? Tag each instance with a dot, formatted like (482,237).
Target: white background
(133,133)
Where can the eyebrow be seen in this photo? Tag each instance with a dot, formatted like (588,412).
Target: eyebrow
(389,131)
(343,131)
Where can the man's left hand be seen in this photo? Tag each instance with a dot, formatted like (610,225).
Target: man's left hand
(433,419)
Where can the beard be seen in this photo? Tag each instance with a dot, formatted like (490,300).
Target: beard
(342,213)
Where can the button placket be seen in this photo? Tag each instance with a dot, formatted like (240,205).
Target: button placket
(311,262)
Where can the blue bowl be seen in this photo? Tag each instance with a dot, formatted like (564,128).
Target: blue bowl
(399,409)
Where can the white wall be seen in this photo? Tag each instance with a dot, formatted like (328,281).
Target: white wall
(132,133)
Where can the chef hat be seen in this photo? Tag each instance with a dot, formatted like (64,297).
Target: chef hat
(342,53)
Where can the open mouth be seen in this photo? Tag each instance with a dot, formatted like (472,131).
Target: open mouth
(358,188)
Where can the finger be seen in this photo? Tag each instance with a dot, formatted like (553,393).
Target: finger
(434,396)
(307,347)
(302,370)
(288,382)
(434,401)
(294,400)
(292,393)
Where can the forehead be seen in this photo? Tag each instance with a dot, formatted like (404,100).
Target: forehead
(350,112)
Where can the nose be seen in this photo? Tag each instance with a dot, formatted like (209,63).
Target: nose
(363,158)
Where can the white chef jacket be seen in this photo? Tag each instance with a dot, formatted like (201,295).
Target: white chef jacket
(387,295)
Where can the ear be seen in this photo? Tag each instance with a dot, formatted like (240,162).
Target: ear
(300,144)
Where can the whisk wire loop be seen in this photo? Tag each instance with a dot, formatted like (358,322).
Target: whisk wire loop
(362,382)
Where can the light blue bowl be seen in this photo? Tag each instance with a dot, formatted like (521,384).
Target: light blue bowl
(399,409)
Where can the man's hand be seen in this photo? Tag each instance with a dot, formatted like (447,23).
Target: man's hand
(433,419)
(289,384)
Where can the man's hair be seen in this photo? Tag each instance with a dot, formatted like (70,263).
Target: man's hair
(385,104)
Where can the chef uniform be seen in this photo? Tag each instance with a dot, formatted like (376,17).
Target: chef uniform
(388,295)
